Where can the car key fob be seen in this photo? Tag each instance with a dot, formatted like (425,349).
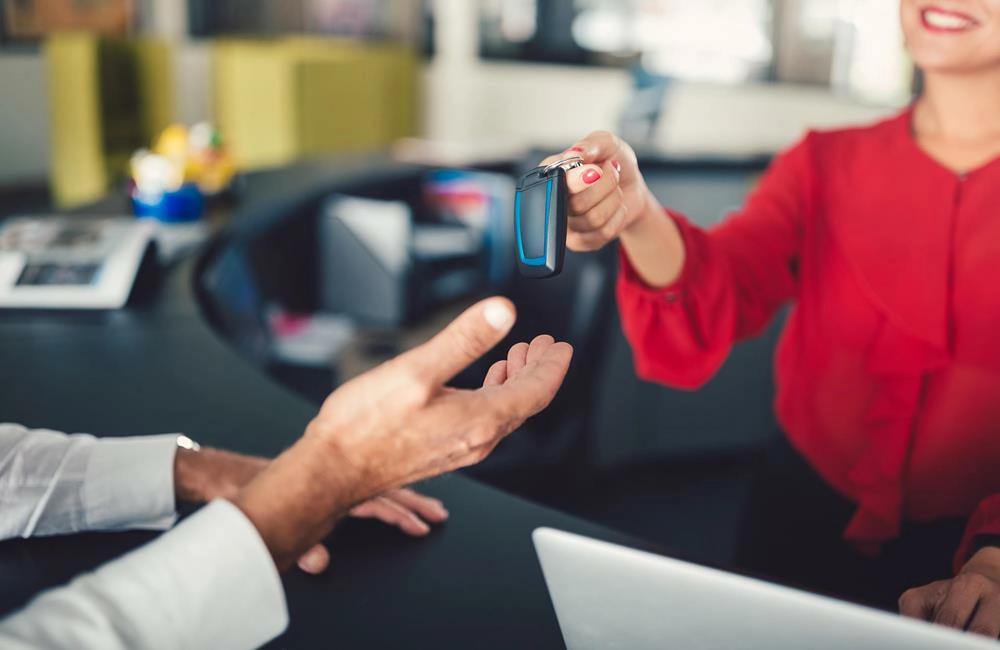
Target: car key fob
(541,206)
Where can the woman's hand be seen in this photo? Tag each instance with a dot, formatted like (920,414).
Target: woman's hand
(609,199)
(969,601)
(608,194)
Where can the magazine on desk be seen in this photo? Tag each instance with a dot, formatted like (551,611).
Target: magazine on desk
(70,262)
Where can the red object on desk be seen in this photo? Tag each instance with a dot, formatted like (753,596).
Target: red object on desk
(888,370)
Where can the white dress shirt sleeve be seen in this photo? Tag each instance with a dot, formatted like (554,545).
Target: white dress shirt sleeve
(52,483)
(208,583)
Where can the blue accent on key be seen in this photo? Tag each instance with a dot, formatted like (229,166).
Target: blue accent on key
(533,261)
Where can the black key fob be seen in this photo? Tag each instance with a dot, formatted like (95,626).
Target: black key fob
(541,207)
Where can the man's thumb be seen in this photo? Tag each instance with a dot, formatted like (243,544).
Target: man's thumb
(467,338)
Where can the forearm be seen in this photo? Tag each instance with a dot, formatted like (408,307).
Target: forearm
(298,498)
(208,583)
(52,483)
(206,474)
(654,245)
(983,529)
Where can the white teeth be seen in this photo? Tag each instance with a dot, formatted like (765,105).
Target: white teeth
(945,21)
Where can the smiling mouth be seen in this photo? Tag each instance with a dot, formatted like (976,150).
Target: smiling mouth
(942,21)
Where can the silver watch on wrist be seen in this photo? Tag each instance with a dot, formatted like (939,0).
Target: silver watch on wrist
(183,442)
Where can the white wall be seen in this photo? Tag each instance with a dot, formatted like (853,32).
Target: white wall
(751,119)
(469,100)
(24,119)
(24,102)
(548,106)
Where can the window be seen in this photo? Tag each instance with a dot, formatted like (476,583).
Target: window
(721,40)
(30,20)
(398,20)
(854,46)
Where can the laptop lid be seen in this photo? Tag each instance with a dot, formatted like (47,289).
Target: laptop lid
(608,596)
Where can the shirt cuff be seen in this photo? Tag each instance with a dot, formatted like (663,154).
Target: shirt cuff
(208,583)
(130,483)
(670,293)
(224,590)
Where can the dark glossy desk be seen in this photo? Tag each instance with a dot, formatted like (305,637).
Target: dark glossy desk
(157,367)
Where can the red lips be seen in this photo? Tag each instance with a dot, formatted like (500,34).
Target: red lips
(946,21)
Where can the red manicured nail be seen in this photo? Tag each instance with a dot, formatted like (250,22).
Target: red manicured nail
(591,176)
(577,149)
(617,165)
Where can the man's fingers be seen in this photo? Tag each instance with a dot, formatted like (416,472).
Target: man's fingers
(497,374)
(315,560)
(428,508)
(532,389)
(517,357)
(477,330)
(392,513)
(538,346)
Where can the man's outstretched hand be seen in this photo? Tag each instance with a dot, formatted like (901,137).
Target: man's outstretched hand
(399,424)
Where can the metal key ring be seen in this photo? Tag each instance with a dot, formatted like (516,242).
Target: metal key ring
(572,161)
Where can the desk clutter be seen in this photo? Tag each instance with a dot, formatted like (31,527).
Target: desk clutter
(371,266)
(171,181)
(70,262)
(389,263)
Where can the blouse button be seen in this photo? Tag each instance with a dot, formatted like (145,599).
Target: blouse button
(670,296)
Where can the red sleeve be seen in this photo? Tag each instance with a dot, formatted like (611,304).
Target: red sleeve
(735,277)
(985,521)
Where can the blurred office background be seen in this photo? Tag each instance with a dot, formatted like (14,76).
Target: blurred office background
(705,90)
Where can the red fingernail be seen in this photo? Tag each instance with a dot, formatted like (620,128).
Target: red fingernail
(617,165)
(577,149)
(591,176)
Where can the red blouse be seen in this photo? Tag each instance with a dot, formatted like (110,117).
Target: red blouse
(888,370)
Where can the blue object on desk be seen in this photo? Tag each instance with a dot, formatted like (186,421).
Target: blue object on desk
(179,206)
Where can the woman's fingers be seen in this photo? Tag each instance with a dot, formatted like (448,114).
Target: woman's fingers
(957,607)
(583,242)
(922,602)
(599,216)
(967,601)
(589,185)
(986,620)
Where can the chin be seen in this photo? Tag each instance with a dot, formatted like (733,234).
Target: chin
(946,36)
(936,62)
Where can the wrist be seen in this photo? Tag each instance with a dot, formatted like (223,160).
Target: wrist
(298,498)
(655,246)
(647,209)
(985,561)
(342,460)
(202,474)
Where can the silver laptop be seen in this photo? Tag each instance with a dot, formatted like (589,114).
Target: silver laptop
(609,597)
